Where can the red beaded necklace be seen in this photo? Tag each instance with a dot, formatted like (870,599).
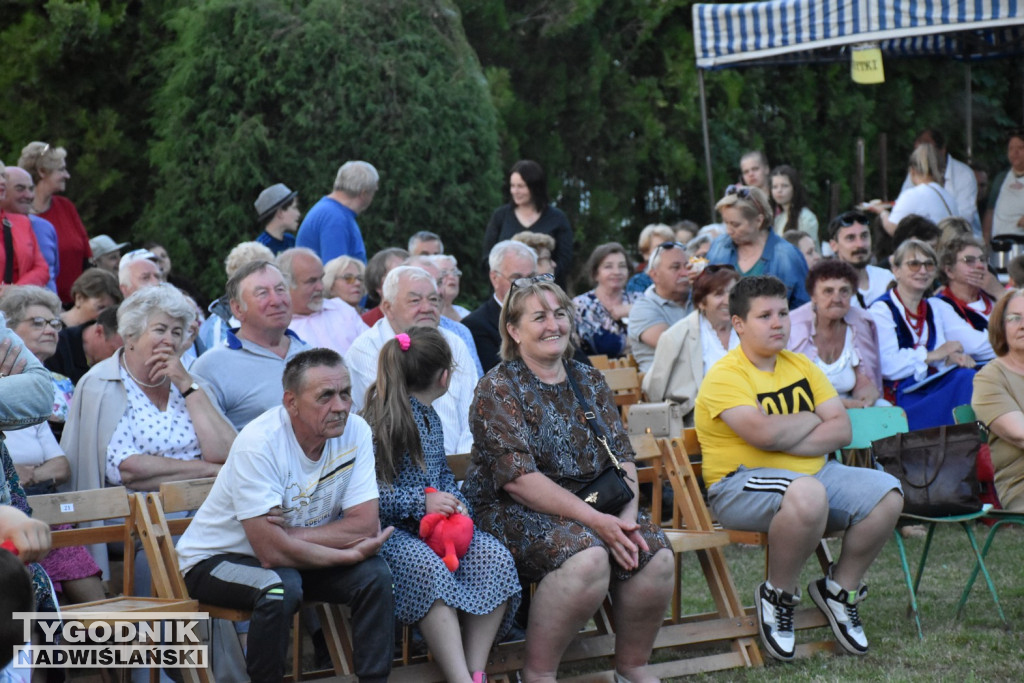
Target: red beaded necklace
(915,320)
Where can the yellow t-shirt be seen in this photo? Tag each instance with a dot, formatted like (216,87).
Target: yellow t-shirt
(796,385)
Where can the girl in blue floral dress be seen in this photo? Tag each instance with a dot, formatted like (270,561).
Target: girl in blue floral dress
(483,593)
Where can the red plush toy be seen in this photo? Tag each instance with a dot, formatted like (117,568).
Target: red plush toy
(449,537)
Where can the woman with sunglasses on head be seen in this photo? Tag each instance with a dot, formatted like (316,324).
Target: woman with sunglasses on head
(688,349)
(343,280)
(48,167)
(914,344)
(841,339)
(538,421)
(602,313)
(963,271)
(752,247)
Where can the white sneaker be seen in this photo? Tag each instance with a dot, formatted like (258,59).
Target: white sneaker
(840,606)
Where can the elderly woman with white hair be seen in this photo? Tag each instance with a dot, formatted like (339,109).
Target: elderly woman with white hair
(345,280)
(139,418)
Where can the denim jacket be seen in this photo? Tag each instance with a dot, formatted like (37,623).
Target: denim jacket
(780,259)
(27,397)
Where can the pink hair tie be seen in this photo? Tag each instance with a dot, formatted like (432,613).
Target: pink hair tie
(403,341)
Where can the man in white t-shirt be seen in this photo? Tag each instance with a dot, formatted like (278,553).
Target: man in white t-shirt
(850,239)
(293,516)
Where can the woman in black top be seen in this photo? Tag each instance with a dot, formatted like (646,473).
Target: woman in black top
(530,209)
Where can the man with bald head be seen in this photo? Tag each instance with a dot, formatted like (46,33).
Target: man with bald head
(327,323)
(410,299)
(21,192)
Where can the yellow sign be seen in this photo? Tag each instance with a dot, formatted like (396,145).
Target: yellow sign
(866,64)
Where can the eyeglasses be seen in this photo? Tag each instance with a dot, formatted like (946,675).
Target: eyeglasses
(740,191)
(916,265)
(850,217)
(971,260)
(349,278)
(531,280)
(1013,319)
(39,323)
(715,267)
(454,272)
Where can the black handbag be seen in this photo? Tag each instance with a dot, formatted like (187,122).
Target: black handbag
(608,492)
(937,467)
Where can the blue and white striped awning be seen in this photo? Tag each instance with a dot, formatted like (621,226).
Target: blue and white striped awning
(790,30)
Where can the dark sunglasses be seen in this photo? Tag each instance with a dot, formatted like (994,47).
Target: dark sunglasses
(670,245)
(532,280)
(740,191)
(850,217)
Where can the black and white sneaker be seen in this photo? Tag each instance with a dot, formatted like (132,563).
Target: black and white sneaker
(775,620)
(840,606)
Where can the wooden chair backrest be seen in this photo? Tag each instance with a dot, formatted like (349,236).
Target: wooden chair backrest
(600,362)
(184,496)
(80,506)
(92,505)
(158,544)
(646,447)
(459,464)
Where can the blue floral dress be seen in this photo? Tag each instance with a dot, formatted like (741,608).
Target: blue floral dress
(12,494)
(599,332)
(486,576)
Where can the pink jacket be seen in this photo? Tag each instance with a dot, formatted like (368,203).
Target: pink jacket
(865,338)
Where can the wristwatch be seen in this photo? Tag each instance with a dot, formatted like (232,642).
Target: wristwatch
(193,387)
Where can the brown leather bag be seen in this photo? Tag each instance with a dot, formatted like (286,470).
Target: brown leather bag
(937,468)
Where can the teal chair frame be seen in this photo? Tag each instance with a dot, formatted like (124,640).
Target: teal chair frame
(870,424)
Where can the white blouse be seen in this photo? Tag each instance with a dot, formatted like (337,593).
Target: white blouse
(842,372)
(900,363)
(711,347)
(145,430)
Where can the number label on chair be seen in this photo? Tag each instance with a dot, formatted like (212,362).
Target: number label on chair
(67,507)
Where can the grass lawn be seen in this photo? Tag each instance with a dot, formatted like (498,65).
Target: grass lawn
(973,648)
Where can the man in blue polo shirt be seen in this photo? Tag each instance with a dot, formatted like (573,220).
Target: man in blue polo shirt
(330,227)
(245,374)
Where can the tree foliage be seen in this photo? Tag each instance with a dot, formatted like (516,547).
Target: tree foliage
(267,91)
(605,96)
(76,74)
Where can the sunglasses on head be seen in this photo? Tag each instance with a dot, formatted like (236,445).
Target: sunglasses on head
(532,280)
(850,217)
(670,245)
(740,191)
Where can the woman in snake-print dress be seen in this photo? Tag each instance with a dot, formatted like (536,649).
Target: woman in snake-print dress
(532,450)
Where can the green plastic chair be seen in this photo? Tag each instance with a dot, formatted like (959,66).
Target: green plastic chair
(871,424)
(877,422)
(964,414)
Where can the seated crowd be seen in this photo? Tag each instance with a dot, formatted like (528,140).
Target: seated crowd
(325,389)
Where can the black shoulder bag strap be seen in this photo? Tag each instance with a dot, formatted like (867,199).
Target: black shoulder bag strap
(591,417)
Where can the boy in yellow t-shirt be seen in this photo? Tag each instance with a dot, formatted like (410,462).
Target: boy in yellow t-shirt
(766,418)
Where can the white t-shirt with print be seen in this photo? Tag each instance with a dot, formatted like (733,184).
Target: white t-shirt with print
(267,468)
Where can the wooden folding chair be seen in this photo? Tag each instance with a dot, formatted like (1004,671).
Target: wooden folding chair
(806,618)
(119,508)
(625,384)
(157,533)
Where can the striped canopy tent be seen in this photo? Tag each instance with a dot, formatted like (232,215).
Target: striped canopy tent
(803,31)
